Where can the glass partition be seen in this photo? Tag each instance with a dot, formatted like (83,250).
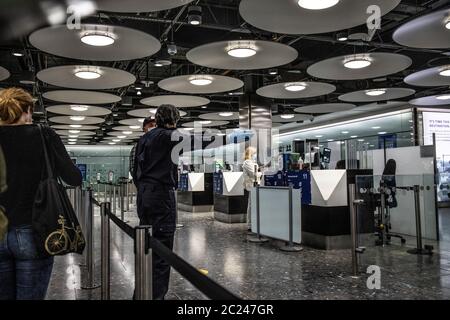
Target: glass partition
(387,216)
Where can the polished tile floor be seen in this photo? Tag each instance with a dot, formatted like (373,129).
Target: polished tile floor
(263,271)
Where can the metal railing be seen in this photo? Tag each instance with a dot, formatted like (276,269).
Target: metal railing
(144,246)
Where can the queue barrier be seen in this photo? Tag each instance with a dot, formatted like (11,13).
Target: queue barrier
(144,245)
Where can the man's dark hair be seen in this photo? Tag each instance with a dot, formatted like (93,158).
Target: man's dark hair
(147,121)
(167,115)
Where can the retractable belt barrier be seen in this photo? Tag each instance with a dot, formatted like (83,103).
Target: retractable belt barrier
(206,285)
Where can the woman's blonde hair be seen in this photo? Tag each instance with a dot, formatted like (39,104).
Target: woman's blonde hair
(13,103)
(249,151)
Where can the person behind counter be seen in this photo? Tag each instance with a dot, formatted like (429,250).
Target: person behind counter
(24,274)
(251,177)
(157,180)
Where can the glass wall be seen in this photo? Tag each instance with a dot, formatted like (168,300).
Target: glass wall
(101,162)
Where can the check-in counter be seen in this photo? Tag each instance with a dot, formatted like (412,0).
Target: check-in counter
(326,221)
(230,201)
(195,192)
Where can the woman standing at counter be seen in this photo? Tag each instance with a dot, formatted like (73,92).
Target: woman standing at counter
(251,178)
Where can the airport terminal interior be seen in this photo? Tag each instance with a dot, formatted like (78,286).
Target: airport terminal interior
(345,104)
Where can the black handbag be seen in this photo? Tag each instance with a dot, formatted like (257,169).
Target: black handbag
(55,225)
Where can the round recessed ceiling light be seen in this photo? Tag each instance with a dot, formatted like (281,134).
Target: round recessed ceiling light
(445,72)
(295,87)
(287,116)
(205,122)
(18,54)
(74,131)
(116,140)
(241,49)
(375,92)
(317,4)
(353,137)
(444,97)
(127,132)
(226,114)
(344,132)
(381,133)
(72,142)
(319,136)
(200,80)
(87,74)
(73,136)
(111,143)
(76,126)
(97,39)
(135,127)
(375,128)
(79,108)
(121,137)
(77,118)
(447,25)
(357,63)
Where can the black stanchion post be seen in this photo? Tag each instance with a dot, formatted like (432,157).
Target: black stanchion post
(89,230)
(290,247)
(105,252)
(143,264)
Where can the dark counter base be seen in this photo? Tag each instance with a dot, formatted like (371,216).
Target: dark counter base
(230,209)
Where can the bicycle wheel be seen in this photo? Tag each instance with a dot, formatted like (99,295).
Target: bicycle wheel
(56,242)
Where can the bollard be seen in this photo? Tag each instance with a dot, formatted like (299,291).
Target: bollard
(89,233)
(105,198)
(143,264)
(354,203)
(105,252)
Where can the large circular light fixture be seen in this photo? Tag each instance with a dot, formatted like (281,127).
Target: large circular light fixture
(98,39)
(241,49)
(77,118)
(317,4)
(375,92)
(200,80)
(287,116)
(357,63)
(226,114)
(445,72)
(79,108)
(444,97)
(295,87)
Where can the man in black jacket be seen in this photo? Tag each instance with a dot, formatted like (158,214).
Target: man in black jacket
(157,180)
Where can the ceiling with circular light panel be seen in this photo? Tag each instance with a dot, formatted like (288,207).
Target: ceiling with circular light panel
(95,42)
(290,118)
(139,5)
(226,115)
(76,127)
(149,112)
(360,66)
(76,120)
(428,31)
(300,56)
(205,123)
(325,108)
(75,132)
(242,55)
(296,90)
(379,94)
(200,84)
(4,74)
(432,77)
(288,17)
(81,97)
(74,110)
(179,101)
(437,100)
(86,77)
